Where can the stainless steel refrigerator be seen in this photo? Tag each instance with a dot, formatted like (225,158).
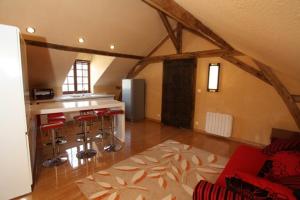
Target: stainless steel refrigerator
(133,95)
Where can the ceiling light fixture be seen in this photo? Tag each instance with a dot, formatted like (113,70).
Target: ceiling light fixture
(112,46)
(80,40)
(30,29)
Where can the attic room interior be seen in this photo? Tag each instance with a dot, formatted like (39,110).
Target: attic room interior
(150,99)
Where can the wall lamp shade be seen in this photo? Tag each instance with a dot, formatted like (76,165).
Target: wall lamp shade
(213,77)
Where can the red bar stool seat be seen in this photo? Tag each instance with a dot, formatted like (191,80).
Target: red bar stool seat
(56,159)
(113,147)
(101,113)
(84,119)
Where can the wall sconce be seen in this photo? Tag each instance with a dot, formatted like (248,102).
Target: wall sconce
(213,77)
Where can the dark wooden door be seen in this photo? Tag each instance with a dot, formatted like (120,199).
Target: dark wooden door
(178,94)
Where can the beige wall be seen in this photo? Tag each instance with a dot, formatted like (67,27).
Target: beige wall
(255,105)
(48,68)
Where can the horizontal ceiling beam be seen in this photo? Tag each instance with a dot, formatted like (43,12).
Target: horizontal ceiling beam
(175,11)
(81,50)
(186,55)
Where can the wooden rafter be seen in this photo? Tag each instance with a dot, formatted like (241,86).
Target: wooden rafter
(175,11)
(81,50)
(138,67)
(282,91)
(169,29)
(179,37)
(246,67)
(296,98)
(185,55)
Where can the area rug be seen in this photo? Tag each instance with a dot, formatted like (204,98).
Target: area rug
(167,171)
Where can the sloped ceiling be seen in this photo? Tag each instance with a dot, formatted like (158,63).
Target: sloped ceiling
(267,30)
(133,26)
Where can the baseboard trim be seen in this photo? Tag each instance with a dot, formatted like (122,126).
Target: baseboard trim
(231,138)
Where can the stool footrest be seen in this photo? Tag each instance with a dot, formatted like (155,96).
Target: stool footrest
(86,154)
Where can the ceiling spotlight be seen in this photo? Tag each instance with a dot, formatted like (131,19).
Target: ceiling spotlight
(112,46)
(30,29)
(80,40)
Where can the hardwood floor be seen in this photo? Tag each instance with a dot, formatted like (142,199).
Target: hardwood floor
(58,182)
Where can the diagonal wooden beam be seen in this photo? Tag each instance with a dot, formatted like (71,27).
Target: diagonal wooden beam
(281,90)
(81,50)
(131,73)
(203,36)
(175,11)
(169,29)
(246,67)
(296,98)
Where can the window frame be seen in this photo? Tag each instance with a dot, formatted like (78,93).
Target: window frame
(75,78)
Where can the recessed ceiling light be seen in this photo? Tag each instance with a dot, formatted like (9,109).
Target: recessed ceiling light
(112,46)
(30,29)
(81,40)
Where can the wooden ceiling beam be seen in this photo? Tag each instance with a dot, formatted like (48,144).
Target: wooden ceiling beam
(175,11)
(296,98)
(179,37)
(200,54)
(244,66)
(169,29)
(132,73)
(81,50)
(282,91)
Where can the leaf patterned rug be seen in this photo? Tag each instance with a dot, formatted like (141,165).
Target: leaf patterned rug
(167,171)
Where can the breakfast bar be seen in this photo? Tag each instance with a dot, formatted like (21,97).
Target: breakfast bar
(76,106)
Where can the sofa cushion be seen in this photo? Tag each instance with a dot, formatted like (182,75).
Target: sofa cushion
(281,164)
(274,190)
(282,145)
(205,190)
(245,158)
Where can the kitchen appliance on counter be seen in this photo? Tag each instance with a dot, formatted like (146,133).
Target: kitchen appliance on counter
(42,94)
(133,95)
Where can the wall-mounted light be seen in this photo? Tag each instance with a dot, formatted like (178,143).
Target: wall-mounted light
(81,40)
(213,77)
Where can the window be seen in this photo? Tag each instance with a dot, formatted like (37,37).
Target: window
(78,78)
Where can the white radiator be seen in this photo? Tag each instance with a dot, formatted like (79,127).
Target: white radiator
(218,124)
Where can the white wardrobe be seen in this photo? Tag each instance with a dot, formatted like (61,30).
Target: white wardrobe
(15,166)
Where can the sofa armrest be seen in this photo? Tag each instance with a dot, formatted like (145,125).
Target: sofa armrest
(247,159)
(205,190)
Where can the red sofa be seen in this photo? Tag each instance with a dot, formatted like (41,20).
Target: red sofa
(246,160)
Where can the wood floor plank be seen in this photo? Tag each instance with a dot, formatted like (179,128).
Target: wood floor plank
(59,183)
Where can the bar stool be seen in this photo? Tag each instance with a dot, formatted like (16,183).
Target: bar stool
(113,147)
(56,117)
(84,119)
(56,159)
(100,113)
(80,135)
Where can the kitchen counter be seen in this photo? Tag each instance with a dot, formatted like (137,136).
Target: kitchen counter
(74,97)
(75,106)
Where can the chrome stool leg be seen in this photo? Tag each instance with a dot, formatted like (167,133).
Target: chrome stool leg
(113,147)
(56,160)
(101,133)
(85,153)
(81,135)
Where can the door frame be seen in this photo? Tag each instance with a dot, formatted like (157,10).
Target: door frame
(195,62)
